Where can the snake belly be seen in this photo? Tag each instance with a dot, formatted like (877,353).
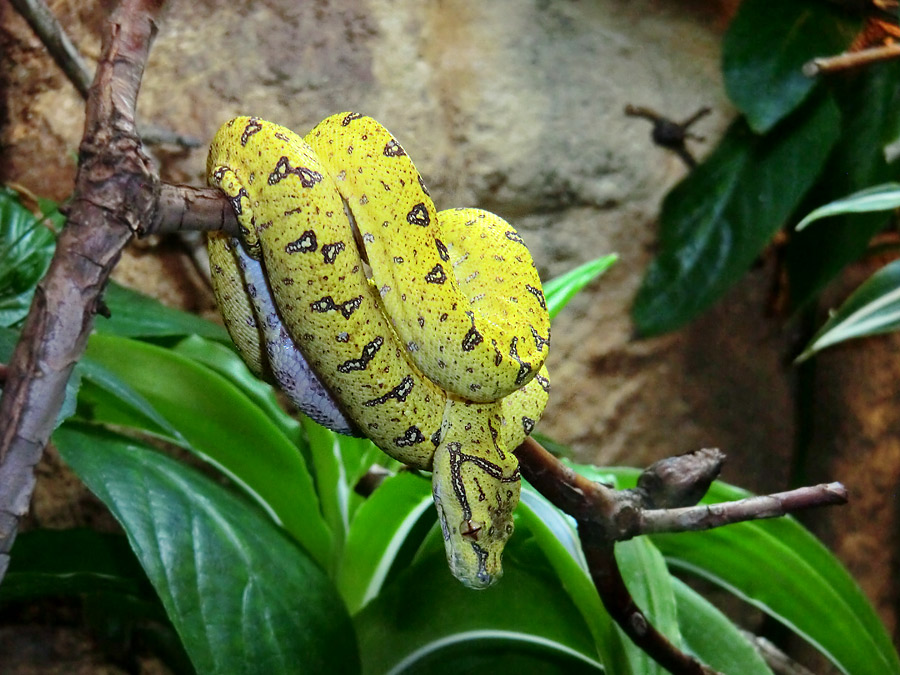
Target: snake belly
(427,331)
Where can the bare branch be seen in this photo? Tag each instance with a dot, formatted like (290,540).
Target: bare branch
(47,28)
(182,208)
(832,64)
(697,518)
(605,516)
(115,191)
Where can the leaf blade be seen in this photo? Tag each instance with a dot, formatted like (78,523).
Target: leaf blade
(884,197)
(764,51)
(781,568)
(229,579)
(715,222)
(872,309)
(222,425)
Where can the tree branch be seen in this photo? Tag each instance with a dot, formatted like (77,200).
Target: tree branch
(115,191)
(605,516)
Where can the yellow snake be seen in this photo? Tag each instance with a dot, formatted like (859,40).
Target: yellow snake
(424,331)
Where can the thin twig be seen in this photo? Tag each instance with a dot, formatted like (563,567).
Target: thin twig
(51,33)
(697,518)
(66,55)
(832,64)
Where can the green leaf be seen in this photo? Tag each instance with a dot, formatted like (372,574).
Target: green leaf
(873,308)
(223,360)
(765,48)
(869,104)
(109,398)
(26,247)
(879,198)
(338,462)
(779,567)
(714,224)
(560,290)
(712,637)
(650,584)
(379,530)
(240,594)
(224,427)
(65,562)
(134,314)
(426,622)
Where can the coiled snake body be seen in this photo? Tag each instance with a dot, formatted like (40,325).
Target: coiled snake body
(424,331)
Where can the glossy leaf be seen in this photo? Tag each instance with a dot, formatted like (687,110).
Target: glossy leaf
(426,622)
(105,396)
(134,314)
(66,562)
(715,222)
(779,567)
(223,426)
(879,198)
(765,48)
(642,566)
(712,637)
(338,462)
(239,593)
(559,290)
(379,530)
(869,104)
(26,246)
(650,584)
(225,361)
(873,308)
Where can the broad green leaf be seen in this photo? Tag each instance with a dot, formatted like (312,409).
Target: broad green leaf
(241,595)
(225,361)
(337,462)
(869,103)
(224,427)
(779,567)
(712,637)
(650,584)
(134,314)
(105,396)
(873,308)
(379,530)
(26,246)
(559,290)
(879,198)
(765,48)
(65,562)
(426,622)
(714,223)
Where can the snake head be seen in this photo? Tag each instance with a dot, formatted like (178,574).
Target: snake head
(475,510)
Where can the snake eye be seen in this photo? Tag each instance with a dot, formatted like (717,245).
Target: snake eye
(471,528)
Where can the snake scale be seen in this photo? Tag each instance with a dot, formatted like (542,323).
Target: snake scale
(425,331)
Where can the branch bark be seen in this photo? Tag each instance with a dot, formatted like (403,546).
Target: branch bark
(605,516)
(115,191)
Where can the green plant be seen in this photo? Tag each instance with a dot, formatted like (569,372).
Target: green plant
(798,143)
(279,565)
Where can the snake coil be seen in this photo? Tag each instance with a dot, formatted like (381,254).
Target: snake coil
(425,331)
